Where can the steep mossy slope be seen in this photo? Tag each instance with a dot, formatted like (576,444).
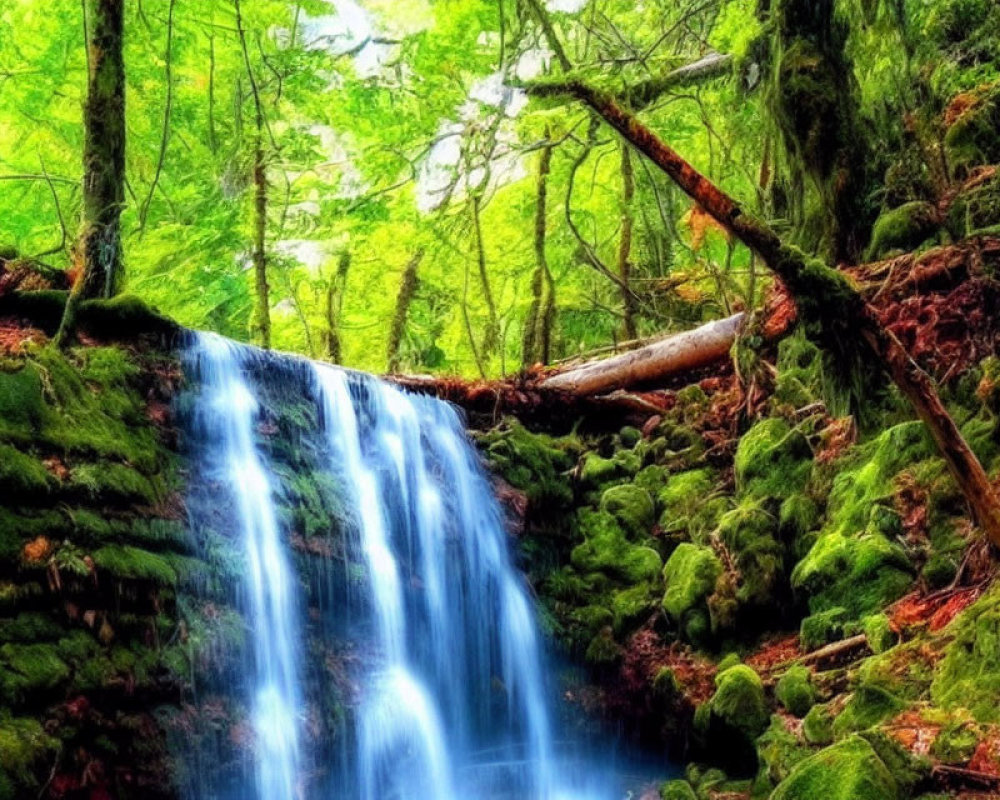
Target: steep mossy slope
(93,547)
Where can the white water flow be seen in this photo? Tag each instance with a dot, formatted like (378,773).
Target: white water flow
(228,412)
(453,699)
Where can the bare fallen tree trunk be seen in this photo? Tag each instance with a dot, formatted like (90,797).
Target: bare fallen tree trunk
(712,65)
(678,353)
(825,298)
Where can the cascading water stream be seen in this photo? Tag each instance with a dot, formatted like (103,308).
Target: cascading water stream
(453,697)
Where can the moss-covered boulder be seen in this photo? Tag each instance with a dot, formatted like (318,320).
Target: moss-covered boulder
(972,137)
(817,725)
(772,460)
(868,706)
(607,549)
(684,501)
(976,207)
(733,718)
(689,577)
(533,463)
(903,228)
(749,534)
(969,674)
(849,770)
(632,506)
(795,691)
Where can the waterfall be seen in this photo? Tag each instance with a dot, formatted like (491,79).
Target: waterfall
(454,693)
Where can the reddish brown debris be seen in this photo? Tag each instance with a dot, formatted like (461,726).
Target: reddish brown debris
(775,653)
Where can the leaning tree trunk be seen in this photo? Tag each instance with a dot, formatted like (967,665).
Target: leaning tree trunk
(823,295)
(98,249)
(407,288)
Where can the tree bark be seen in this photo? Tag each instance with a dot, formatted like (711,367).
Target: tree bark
(407,288)
(262,310)
(625,245)
(98,248)
(677,353)
(822,294)
(534,323)
(334,304)
(491,336)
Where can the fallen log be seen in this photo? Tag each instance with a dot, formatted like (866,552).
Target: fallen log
(679,353)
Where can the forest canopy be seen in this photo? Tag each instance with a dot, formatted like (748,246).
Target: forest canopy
(416,207)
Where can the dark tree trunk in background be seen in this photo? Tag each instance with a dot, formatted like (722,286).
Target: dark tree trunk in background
(837,313)
(534,342)
(407,288)
(98,249)
(625,246)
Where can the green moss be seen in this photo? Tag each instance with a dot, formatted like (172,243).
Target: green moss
(26,751)
(28,669)
(975,208)
(905,670)
(597,470)
(972,139)
(123,316)
(22,409)
(956,743)
(23,475)
(799,381)
(29,627)
(748,534)
(689,502)
(879,632)
(739,701)
(823,627)
(606,549)
(534,463)
(652,478)
(632,605)
(795,691)
(772,460)
(849,770)
(817,726)
(779,750)
(113,484)
(132,563)
(968,676)
(689,576)
(631,506)
(677,790)
(903,228)
(868,706)
(603,651)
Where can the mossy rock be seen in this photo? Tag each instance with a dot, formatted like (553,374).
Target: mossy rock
(879,633)
(733,718)
(606,549)
(603,651)
(534,463)
(867,707)
(795,691)
(632,506)
(772,460)
(689,576)
(968,676)
(799,381)
(597,471)
(972,139)
(903,228)
(849,770)
(823,627)
(817,725)
(779,750)
(125,562)
(677,790)
(956,743)
(975,208)
(748,533)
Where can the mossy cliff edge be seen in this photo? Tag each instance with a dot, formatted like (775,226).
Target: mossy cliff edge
(797,609)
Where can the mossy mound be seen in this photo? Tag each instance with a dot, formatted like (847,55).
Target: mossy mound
(795,691)
(534,463)
(607,549)
(690,575)
(972,138)
(904,228)
(849,770)
(631,506)
(976,207)
(733,718)
(867,706)
(772,460)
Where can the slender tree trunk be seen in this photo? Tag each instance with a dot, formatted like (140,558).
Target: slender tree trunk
(262,310)
(534,325)
(334,305)
(407,288)
(492,333)
(98,249)
(822,294)
(625,245)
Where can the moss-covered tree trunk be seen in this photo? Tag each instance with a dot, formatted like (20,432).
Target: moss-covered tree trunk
(98,250)
(534,321)
(99,247)
(838,316)
(407,288)
(332,308)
